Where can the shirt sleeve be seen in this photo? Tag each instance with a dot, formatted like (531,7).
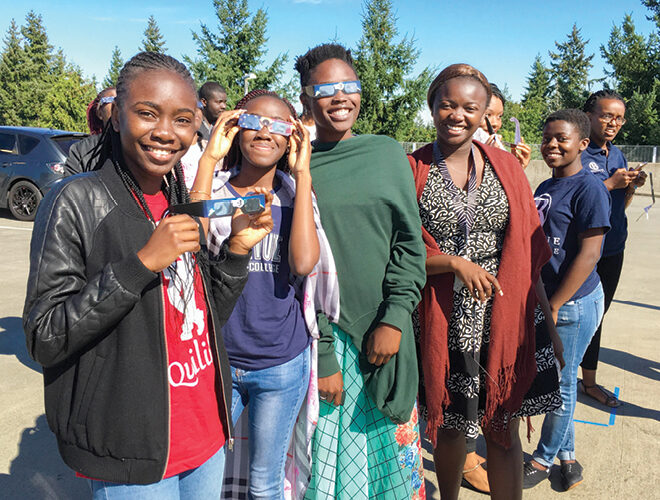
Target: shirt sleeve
(592,207)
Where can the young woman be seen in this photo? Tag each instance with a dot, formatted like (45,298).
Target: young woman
(494,113)
(267,339)
(606,111)
(367,441)
(485,249)
(575,207)
(123,307)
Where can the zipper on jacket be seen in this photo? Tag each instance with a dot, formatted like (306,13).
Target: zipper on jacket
(212,341)
(167,380)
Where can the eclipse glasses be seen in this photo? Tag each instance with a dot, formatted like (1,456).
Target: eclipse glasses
(256,122)
(330,89)
(222,207)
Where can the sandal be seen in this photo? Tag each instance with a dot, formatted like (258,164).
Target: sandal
(476,478)
(610,400)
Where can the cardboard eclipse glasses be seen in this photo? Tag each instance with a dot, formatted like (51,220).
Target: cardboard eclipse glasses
(330,89)
(256,122)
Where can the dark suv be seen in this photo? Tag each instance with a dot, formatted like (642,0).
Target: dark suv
(31,162)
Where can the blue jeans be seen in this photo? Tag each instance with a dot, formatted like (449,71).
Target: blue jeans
(274,395)
(576,324)
(201,483)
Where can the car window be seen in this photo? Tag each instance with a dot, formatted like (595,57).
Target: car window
(26,143)
(64,142)
(7,143)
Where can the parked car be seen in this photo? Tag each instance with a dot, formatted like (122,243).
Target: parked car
(31,163)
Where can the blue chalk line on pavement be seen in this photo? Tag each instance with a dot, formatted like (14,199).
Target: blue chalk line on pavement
(612,415)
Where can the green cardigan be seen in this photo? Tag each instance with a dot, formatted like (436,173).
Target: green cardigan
(366,197)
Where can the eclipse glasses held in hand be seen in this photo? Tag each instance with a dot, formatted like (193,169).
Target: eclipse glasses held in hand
(256,122)
(222,207)
(330,89)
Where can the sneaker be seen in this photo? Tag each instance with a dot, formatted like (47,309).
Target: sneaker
(533,476)
(571,474)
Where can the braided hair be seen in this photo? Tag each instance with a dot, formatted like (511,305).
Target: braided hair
(109,146)
(321,53)
(234,156)
(591,101)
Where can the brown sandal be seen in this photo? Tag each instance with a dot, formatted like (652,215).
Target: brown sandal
(610,400)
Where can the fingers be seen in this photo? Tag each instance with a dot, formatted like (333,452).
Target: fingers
(495,283)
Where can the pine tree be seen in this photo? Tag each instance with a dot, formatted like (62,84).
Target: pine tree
(635,73)
(153,39)
(65,104)
(11,61)
(116,64)
(535,104)
(390,101)
(235,49)
(570,71)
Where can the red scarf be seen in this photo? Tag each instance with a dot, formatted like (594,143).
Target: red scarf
(511,360)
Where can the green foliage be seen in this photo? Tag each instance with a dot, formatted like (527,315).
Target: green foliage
(390,101)
(116,64)
(535,104)
(38,88)
(153,39)
(11,76)
(635,72)
(236,49)
(570,71)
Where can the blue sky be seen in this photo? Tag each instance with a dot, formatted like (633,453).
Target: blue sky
(501,38)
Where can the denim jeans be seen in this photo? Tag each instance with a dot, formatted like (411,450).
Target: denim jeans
(201,483)
(576,323)
(274,395)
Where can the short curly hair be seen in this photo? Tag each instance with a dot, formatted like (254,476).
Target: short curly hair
(575,117)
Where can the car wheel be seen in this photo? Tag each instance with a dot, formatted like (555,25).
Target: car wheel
(24,198)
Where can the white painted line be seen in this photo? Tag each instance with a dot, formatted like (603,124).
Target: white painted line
(17,228)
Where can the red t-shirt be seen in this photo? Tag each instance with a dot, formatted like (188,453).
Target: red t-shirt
(196,423)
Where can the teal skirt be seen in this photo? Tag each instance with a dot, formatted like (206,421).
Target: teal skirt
(358,453)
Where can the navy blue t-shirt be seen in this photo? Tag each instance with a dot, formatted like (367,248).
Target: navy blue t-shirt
(603,166)
(266,327)
(569,206)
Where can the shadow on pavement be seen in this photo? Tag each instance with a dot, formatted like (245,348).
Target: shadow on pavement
(637,304)
(12,341)
(630,363)
(38,471)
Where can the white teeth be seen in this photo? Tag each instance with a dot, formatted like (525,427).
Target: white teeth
(340,112)
(455,129)
(164,153)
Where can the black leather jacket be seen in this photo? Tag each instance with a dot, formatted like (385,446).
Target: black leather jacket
(93,319)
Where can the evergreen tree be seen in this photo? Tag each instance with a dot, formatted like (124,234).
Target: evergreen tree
(116,64)
(153,39)
(235,49)
(11,62)
(535,104)
(635,73)
(65,104)
(654,7)
(570,71)
(390,101)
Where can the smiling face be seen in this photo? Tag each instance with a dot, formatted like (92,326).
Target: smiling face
(494,113)
(458,110)
(334,116)
(156,124)
(561,147)
(601,129)
(261,148)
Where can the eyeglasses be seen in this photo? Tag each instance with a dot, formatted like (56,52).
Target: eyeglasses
(106,100)
(607,118)
(330,89)
(256,122)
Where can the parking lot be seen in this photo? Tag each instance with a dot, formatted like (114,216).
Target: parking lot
(619,450)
